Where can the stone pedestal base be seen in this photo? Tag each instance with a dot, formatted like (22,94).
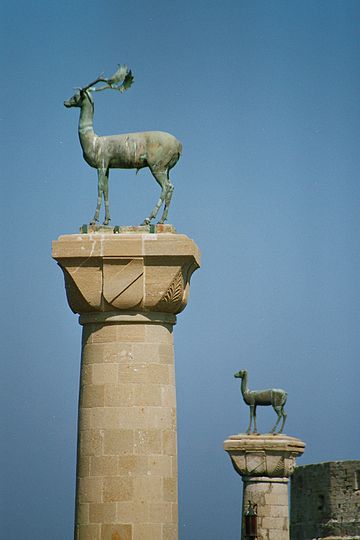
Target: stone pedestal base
(265,463)
(127,289)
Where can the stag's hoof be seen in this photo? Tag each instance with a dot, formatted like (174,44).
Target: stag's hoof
(146,221)
(106,222)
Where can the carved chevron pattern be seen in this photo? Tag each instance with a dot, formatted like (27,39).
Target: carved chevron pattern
(279,469)
(174,294)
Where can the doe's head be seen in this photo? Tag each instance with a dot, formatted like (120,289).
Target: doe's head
(240,374)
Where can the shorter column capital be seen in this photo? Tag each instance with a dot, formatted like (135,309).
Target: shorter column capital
(264,456)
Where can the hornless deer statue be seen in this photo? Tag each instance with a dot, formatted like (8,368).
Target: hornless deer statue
(272,396)
(157,150)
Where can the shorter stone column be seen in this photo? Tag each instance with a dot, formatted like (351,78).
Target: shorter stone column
(265,463)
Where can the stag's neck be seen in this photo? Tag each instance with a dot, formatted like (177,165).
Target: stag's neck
(86,127)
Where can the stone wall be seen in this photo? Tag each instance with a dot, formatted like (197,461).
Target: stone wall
(325,501)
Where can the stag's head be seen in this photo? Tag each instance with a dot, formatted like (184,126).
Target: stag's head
(77,99)
(240,374)
(121,80)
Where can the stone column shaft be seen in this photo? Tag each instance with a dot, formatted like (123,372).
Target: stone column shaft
(127,289)
(127,458)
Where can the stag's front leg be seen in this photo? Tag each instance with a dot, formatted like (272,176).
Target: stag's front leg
(101,176)
(161,178)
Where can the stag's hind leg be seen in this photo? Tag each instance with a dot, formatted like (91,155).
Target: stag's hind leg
(106,197)
(162,180)
(168,196)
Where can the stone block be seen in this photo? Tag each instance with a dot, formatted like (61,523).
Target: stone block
(160,512)
(147,489)
(104,373)
(159,334)
(166,353)
(168,396)
(118,489)
(146,353)
(136,511)
(105,418)
(91,443)
(116,532)
(88,532)
(130,333)
(170,532)
(83,467)
(104,333)
(174,466)
(83,513)
(147,531)
(147,394)
(112,353)
(104,466)
(148,441)
(90,489)
(159,466)
(92,395)
(174,512)
(169,442)
(118,442)
(170,489)
(102,513)
(117,395)
(132,465)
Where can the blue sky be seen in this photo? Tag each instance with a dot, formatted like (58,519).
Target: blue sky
(265,99)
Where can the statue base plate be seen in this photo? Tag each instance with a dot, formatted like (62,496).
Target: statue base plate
(158,228)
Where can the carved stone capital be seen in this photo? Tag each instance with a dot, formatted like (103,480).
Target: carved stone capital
(266,457)
(126,272)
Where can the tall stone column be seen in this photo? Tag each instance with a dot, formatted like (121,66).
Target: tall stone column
(127,289)
(265,463)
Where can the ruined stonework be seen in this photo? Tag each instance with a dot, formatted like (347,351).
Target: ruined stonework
(325,501)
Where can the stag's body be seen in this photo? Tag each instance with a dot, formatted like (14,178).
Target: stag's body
(157,150)
(271,396)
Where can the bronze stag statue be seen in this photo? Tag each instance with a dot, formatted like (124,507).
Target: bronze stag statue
(157,150)
(272,396)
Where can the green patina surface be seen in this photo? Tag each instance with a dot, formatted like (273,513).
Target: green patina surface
(157,150)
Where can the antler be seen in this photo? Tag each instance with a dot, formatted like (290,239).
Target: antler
(121,80)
